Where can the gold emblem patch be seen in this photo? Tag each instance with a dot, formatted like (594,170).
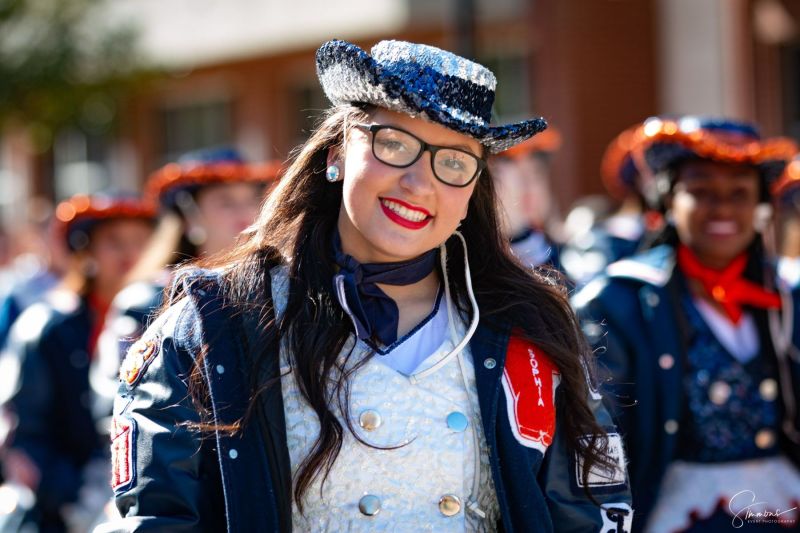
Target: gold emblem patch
(137,360)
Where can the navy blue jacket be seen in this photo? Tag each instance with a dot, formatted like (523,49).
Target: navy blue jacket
(45,386)
(630,316)
(179,481)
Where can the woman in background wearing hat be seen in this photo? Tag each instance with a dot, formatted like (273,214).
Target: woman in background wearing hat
(527,207)
(206,199)
(787,223)
(361,363)
(46,380)
(698,337)
(619,235)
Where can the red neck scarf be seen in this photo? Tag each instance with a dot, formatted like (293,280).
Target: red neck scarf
(727,286)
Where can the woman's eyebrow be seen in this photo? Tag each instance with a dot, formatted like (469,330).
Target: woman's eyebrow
(466,149)
(460,146)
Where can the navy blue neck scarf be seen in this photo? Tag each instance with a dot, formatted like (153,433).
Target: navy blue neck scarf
(374,314)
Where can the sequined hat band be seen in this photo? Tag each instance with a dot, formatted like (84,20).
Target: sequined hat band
(205,167)
(665,142)
(78,215)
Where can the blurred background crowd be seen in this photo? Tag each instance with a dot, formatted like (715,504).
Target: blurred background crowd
(139,134)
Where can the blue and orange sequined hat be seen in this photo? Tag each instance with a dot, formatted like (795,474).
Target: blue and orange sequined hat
(204,167)
(77,216)
(617,168)
(665,142)
(787,188)
(420,80)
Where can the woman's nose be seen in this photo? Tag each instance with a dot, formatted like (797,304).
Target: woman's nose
(418,178)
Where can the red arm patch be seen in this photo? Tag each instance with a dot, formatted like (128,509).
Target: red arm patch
(530,380)
(123,434)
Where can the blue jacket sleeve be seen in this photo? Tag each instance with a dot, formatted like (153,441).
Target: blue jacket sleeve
(603,329)
(165,473)
(571,509)
(28,397)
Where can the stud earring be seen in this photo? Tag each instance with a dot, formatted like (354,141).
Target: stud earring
(197,235)
(332,174)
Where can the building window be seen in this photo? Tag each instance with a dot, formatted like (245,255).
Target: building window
(309,102)
(513,96)
(195,126)
(80,163)
(791,76)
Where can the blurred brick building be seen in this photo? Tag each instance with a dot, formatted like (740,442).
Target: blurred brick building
(241,72)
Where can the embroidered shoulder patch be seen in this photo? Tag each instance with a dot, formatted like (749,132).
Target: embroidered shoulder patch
(139,357)
(600,476)
(529,381)
(123,453)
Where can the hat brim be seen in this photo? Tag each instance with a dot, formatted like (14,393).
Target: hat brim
(89,217)
(662,156)
(163,185)
(789,182)
(769,156)
(348,74)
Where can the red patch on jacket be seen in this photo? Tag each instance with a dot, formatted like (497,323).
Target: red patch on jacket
(530,380)
(122,452)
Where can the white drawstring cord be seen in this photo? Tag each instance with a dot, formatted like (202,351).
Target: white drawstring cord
(475,314)
(457,352)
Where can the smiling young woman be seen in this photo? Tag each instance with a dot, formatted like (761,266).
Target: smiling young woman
(372,356)
(697,338)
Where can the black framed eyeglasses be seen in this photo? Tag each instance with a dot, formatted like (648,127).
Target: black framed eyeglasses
(399,148)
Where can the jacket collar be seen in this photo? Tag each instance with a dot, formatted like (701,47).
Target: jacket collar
(653,267)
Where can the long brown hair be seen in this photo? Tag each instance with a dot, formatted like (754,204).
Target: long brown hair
(295,228)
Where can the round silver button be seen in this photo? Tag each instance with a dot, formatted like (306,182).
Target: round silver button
(765,438)
(370,420)
(489,363)
(768,389)
(233,453)
(449,505)
(369,505)
(719,392)
(666,361)
(220,369)
(457,421)
(671,426)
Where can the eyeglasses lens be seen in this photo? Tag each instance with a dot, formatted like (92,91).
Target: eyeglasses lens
(399,149)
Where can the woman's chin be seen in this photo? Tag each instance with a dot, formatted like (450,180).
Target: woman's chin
(391,248)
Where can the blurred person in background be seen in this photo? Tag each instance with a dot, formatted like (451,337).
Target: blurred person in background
(529,217)
(787,223)
(206,200)
(45,383)
(597,241)
(698,336)
(37,262)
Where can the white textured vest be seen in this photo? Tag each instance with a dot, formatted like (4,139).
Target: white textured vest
(426,482)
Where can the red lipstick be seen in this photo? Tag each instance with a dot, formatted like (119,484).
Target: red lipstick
(397,219)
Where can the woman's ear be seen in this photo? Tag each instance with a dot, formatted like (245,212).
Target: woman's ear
(333,156)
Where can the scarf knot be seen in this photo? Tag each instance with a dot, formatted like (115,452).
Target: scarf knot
(727,286)
(373,312)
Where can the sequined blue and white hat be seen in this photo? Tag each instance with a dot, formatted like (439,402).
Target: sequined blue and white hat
(420,80)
